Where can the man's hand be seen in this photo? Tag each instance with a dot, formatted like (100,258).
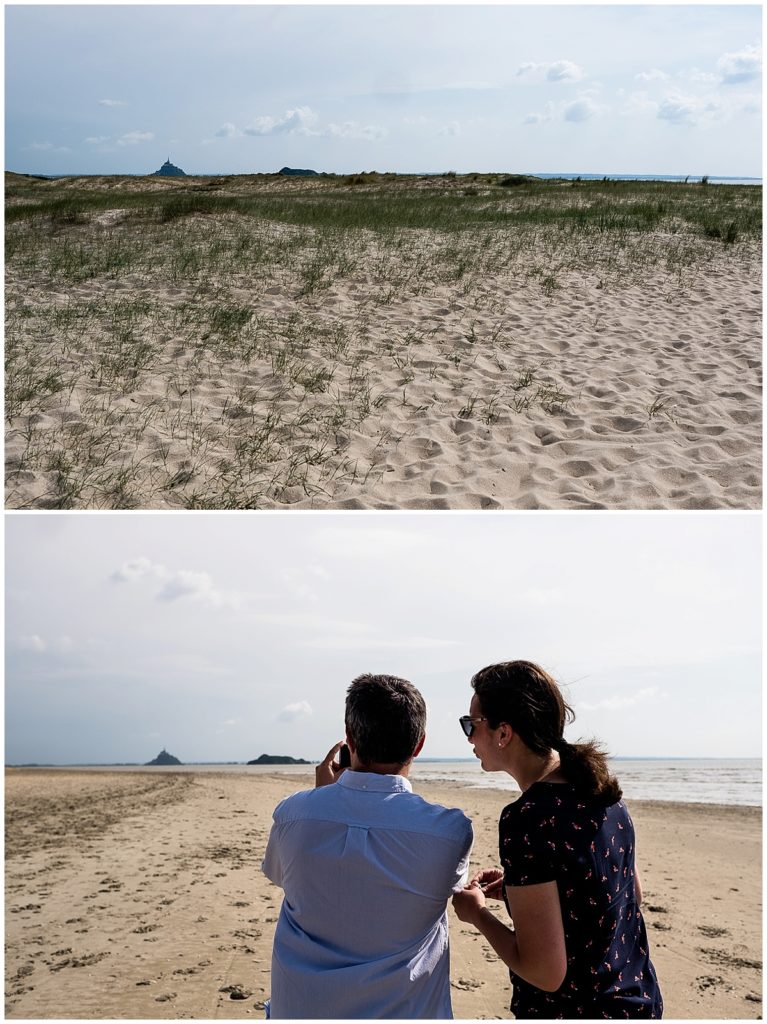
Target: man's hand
(329,770)
(468,903)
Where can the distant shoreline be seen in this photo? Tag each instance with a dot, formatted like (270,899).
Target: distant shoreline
(706,782)
(310,762)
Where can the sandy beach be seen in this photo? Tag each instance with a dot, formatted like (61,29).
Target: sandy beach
(140,895)
(267,343)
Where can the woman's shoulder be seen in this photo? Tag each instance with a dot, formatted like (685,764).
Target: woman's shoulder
(551,798)
(541,797)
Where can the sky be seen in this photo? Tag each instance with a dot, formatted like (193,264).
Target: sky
(593,89)
(224,636)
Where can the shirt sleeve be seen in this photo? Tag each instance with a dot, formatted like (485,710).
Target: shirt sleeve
(272,864)
(462,871)
(527,838)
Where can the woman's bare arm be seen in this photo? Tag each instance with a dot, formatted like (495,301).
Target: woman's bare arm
(535,949)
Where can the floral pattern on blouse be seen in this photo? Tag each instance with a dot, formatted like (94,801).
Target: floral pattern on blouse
(551,833)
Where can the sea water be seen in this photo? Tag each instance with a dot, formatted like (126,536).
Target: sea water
(683,780)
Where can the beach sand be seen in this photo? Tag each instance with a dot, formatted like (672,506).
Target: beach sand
(221,361)
(140,895)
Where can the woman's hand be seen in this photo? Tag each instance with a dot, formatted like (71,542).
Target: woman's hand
(469,902)
(327,771)
(490,882)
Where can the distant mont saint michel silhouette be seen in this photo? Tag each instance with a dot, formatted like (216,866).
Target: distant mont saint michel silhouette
(169,170)
(164,758)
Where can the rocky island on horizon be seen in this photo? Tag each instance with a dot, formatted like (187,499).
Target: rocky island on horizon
(169,170)
(164,758)
(278,759)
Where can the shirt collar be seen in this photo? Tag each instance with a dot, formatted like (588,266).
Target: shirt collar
(374,782)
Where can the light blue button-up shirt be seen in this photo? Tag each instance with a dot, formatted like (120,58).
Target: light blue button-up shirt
(367,868)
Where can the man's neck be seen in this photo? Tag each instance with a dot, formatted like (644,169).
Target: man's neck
(382,769)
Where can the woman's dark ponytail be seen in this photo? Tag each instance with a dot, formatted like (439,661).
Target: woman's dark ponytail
(524,695)
(585,766)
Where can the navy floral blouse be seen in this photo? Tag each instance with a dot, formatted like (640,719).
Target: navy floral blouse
(551,833)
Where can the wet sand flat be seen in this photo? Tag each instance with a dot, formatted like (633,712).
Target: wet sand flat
(382,342)
(140,895)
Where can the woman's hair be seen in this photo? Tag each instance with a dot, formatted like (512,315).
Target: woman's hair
(528,699)
(385,718)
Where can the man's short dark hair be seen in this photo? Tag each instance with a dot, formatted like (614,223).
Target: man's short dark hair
(385,719)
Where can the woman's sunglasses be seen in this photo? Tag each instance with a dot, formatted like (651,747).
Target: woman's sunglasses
(467,724)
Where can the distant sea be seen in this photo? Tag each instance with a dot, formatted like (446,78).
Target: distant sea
(679,780)
(691,179)
(568,175)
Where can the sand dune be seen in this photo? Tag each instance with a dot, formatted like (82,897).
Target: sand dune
(219,360)
(140,895)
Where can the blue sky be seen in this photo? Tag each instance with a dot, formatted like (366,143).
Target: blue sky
(225,636)
(241,89)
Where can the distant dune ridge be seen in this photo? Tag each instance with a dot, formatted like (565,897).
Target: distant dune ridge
(382,341)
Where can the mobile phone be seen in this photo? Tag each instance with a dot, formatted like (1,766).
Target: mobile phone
(344,756)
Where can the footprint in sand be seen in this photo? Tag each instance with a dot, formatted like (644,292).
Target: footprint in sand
(711,932)
(236,991)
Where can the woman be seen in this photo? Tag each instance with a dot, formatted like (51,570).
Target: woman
(578,946)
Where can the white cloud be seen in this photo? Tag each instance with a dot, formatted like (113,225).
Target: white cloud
(541,116)
(196,585)
(580,110)
(690,110)
(575,111)
(649,693)
(353,130)
(228,131)
(33,643)
(743,66)
(293,122)
(112,103)
(697,77)
(751,104)
(133,138)
(451,129)
(555,71)
(654,75)
(303,121)
(564,71)
(293,712)
(97,140)
(47,147)
(181,583)
(136,569)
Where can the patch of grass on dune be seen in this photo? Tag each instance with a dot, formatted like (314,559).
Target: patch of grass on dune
(391,203)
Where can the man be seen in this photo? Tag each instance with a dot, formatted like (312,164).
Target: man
(367,868)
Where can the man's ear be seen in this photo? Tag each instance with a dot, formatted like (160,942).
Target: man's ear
(419,746)
(349,743)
